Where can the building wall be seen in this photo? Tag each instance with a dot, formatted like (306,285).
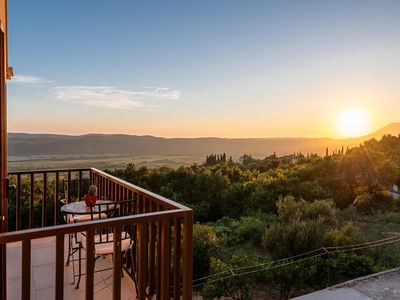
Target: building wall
(3,119)
(3,142)
(3,21)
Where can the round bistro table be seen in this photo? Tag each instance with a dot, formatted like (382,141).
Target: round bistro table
(80,208)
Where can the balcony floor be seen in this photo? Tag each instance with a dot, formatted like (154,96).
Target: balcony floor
(43,274)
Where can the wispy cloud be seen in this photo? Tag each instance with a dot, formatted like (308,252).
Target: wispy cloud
(29,80)
(112,97)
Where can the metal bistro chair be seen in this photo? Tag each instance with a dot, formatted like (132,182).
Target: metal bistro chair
(104,238)
(69,186)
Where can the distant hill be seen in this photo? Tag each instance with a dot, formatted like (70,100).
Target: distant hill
(22,144)
(392,129)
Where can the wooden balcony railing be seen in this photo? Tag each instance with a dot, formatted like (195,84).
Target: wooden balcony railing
(163,238)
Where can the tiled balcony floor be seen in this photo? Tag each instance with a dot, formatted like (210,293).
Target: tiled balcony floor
(43,274)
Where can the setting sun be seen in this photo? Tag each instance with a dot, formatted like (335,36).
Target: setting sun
(352,123)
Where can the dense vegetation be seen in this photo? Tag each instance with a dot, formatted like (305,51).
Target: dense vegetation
(263,210)
(259,212)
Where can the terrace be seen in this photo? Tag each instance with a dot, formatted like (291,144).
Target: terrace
(37,249)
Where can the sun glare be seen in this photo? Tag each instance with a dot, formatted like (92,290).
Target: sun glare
(352,123)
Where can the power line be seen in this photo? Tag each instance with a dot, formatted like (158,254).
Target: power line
(289,260)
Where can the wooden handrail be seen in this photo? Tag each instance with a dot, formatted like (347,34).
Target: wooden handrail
(165,201)
(37,233)
(48,171)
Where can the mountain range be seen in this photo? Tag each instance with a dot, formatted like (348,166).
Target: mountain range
(23,144)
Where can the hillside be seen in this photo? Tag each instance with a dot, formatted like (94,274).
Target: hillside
(22,144)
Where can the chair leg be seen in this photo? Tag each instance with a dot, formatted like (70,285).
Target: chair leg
(80,265)
(69,249)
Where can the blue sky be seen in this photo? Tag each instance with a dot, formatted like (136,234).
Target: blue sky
(202,68)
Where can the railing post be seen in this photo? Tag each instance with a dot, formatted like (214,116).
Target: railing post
(159,251)
(18,204)
(26,270)
(79,185)
(165,266)
(177,258)
(89,265)
(31,203)
(142,260)
(188,255)
(44,200)
(69,187)
(59,292)
(117,269)
(56,204)
(152,259)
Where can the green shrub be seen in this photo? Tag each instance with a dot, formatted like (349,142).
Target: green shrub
(205,244)
(344,266)
(288,239)
(347,234)
(235,287)
(372,203)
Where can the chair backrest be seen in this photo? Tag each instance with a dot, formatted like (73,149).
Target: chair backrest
(112,209)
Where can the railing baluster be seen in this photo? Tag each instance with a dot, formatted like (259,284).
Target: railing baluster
(26,270)
(59,292)
(69,187)
(140,200)
(135,198)
(79,185)
(100,186)
(152,259)
(91,177)
(177,258)
(103,192)
(146,202)
(142,260)
(165,259)
(56,204)
(31,203)
(18,204)
(158,253)
(44,200)
(125,194)
(117,264)
(89,265)
(108,187)
(187,255)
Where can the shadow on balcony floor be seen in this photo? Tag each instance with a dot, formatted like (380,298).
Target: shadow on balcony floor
(43,274)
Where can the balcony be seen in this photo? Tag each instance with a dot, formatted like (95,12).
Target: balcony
(37,241)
